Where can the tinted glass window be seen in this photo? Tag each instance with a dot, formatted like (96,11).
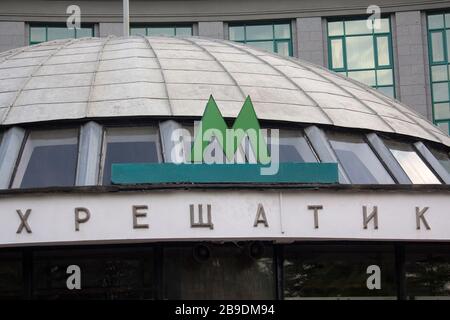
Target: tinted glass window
(48,159)
(359,161)
(129,145)
(337,271)
(11,275)
(416,169)
(44,33)
(443,157)
(105,274)
(170,31)
(428,272)
(222,272)
(293,147)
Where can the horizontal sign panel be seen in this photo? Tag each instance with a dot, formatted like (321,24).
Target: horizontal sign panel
(187,215)
(145,173)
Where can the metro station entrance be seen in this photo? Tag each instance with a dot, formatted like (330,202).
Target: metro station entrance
(243,270)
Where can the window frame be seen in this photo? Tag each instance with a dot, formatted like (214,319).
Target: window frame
(444,30)
(104,144)
(55,25)
(173,26)
(375,36)
(274,39)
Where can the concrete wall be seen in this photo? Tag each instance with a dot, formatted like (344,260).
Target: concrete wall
(211,29)
(12,35)
(310,44)
(411,61)
(110,29)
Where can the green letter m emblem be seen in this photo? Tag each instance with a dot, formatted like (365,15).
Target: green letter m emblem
(213,125)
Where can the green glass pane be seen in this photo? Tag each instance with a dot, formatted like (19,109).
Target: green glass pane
(448,45)
(55,33)
(441,111)
(84,32)
(444,126)
(384,26)
(336,28)
(138,31)
(337,54)
(169,31)
(38,34)
(184,31)
(283,48)
(265,45)
(436,21)
(439,73)
(437,46)
(263,32)
(282,31)
(366,77)
(384,77)
(447,20)
(388,91)
(440,91)
(237,33)
(357,27)
(360,53)
(383,51)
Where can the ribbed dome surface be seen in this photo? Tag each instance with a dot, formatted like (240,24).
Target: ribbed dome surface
(161,76)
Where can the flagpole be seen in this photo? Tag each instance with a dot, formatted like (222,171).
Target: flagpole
(126,18)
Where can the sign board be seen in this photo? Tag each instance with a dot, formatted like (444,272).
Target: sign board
(221,214)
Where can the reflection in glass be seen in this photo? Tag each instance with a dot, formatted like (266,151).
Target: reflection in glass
(49,158)
(442,111)
(337,271)
(439,73)
(293,147)
(437,45)
(440,91)
(259,32)
(11,275)
(353,27)
(129,145)
(417,171)
(337,54)
(336,28)
(227,272)
(154,31)
(282,48)
(237,33)
(383,51)
(428,272)
(385,77)
(360,54)
(366,77)
(105,274)
(38,34)
(436,21)
(55,33)
(282,31)
(358,160)
(443,157)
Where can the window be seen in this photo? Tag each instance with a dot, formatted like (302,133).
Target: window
(129,145)
(362,53)
(293,147)
(337,271)
(443,157)
(358,160)
(414,167)
(439,56)
(49,158)
(42,33)
(11,275)
(171,31)
(273,37)
(107,274)
(428,272)
(228,271)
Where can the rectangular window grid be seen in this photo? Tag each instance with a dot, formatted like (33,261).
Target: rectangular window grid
(272,37)
(162,30)
(363,53)
(439,57)
(42,33)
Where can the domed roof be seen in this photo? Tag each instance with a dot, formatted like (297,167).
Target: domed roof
(162,76)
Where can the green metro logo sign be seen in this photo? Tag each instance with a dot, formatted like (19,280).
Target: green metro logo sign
(213,125)
(268,169)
